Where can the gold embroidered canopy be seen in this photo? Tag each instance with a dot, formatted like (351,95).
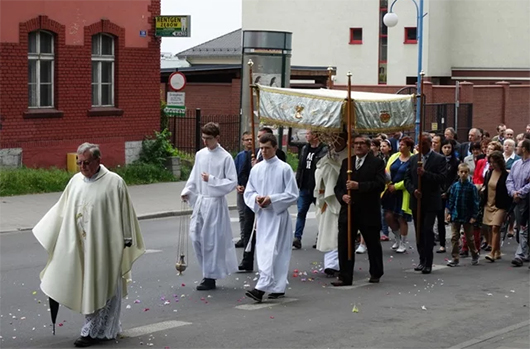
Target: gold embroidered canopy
(326,110)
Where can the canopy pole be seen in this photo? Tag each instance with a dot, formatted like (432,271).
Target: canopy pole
(252,125)
(420,162)
(330,80)
(349,107)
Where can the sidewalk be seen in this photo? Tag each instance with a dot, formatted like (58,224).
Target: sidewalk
(150,201)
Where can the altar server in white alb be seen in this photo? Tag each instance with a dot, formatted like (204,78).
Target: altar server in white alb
(328,207)
(270,190)
(213,177)
(92,238)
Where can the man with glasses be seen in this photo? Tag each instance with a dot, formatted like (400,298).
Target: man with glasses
(212,178)
(86,234)
(363,193)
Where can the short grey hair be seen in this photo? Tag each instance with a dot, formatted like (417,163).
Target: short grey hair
(509,141)
(93,149)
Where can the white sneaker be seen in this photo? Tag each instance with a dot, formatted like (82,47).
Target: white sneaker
(402,247)
(361,249)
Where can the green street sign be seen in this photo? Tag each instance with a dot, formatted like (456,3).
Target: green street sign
(172,26)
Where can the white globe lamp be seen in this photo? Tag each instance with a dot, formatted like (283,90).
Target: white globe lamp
(390,19)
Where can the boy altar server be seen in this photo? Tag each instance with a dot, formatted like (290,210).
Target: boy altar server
(213,176)
(270,190)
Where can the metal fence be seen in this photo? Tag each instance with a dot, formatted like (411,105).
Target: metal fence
(439,116)
(186,130)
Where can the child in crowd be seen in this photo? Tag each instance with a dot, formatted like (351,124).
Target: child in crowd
(462,209)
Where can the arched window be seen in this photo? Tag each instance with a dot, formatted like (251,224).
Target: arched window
(102,70)
(40,69)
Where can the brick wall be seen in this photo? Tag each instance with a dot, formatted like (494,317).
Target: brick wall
(45,140)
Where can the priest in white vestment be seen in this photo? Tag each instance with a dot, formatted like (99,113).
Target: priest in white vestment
(92,238)
(270,190)
(213,177)
(327,206)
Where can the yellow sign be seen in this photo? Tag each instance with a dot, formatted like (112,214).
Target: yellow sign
(176,26)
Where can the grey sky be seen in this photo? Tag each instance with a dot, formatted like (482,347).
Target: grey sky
(209,19)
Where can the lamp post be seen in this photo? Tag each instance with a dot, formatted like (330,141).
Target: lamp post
(390,20)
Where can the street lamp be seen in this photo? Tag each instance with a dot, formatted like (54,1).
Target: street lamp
(390,20)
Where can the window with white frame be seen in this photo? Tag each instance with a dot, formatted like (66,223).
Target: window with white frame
(40,69)
(102,70)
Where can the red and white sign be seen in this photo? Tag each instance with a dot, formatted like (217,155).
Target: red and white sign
(177,81)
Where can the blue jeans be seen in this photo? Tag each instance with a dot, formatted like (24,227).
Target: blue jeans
(384,226)
(305,199)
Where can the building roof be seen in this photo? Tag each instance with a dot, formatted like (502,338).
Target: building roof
(228,45)
(173,62)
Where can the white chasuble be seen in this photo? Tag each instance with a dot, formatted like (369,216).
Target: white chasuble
(83,234)
(327,205)
(210,229)
(274,229)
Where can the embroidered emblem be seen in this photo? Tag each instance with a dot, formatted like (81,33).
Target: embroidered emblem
(299,108)
(384,116)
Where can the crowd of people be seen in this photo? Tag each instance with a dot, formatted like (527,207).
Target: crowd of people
(478,187)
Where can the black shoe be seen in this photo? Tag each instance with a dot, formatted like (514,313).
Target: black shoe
(255,294)
(419,267)
(330,272)
(487,249)
(240,244)
(276,295)
(464,254)
(517,262)
(315,246)
(83,342)
(206,284)
(246,268)
(373,280)
(297,243)
(426,270)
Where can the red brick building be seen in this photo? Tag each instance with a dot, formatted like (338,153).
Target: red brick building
(76,71)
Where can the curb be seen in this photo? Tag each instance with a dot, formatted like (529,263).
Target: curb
(162,214)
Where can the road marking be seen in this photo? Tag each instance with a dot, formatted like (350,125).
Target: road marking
(268,303)
(147,329)
(490,335)
(152,251)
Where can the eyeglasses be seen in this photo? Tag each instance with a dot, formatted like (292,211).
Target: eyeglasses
(84,163)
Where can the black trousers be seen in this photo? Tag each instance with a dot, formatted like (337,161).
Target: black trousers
(248,257)
(425,237)
(373,245)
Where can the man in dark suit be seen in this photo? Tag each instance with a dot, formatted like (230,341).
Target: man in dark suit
(432,173)
(366,185)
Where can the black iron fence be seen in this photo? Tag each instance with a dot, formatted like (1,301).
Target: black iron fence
(186,130)
(439,116)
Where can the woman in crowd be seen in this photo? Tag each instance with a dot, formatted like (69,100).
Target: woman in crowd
(386,149)
(496,201)
(396,198)
(376,148)
(478,179)
(451,164)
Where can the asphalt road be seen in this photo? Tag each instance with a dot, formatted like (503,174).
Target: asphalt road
(484,306)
